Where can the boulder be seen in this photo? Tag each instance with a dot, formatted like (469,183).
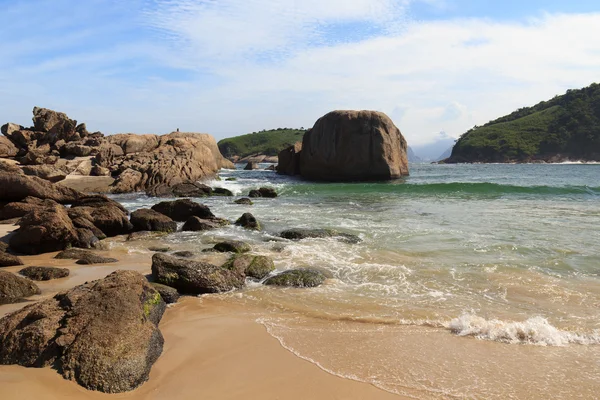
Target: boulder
(182,210)
(289,160)
(46,172)
(99,171)
(44,273)
(15,187)
(193,277)
(108,217)
(104,334)
(353,146)
(13,289)
(72,254)
(250,265)
(149,220)
(108,154)
(7,148)
(302,233)
(232,246)
(9,128)
(195,224)
(184,254)
(55,123)
(263,192)
(251,165)
(244,201)
(18,209)
(168,294)
(160,249)
(303,277)
(77,149)
(185,189)
(133,143)
(43,231)
(128,181)
(248,221)
(221,192)
(8,260)
(91,258)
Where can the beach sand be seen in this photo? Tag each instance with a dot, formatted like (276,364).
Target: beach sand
(213,350)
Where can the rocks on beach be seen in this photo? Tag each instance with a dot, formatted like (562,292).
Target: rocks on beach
(250,265)
(14,289)
(150,220)
(44,273)
(301,278)
(104,334)
(182,210)
(302,233)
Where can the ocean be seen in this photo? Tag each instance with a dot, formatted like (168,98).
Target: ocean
(471,281)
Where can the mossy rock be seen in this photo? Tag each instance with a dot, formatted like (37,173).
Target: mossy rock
(232,246)
(301,278)
(253,266)
(167,293)
(231,179)
(248,221)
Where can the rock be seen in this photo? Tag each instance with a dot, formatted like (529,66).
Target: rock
(44,273)
(46,172)
(253,266)
(248,221)
(193,277)
(144,235)
(99,171)
(221,192)
(87,238)
(271,168)
(301,233)
(82,130)
(231,179)
(12,289)
(7,148)
(184,254)
(169,295)
(9,167)
(3,247)
(82,219)
(195,224)
(72,254)
(43,231)
(182,210)
(15,187)
(159,249)
(251,165)
(233,246)
(245,201)
(9,128)
(39,156)
(8,260)
(353,146)
(128,181)
(289,160)
(77,149)
(132,143)
(103,334)
(108,216)
(187,189)
(150,220)
(18,209)
(97,201)
(56,123)
(304,277)
(108,154)
(91,258)
(263,192)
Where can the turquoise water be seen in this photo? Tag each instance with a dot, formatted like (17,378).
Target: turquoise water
(504,254)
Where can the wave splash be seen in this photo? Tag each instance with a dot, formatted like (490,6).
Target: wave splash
(535,331)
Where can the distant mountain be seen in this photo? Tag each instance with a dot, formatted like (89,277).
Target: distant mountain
(412,157)
(564,128)
(434,151)
(268,143)
(445,154)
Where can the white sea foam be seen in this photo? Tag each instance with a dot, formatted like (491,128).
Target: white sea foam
(535,330)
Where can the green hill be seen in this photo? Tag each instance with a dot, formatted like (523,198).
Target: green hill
(269,143)
(566,127)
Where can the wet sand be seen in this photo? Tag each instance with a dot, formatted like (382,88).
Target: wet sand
(213,350)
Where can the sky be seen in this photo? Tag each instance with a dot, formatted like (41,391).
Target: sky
(230,67)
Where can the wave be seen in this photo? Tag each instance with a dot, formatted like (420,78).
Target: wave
(535,330)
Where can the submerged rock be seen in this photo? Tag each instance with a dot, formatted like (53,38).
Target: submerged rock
(250,265)
(301,233)
(182,210)
(194,224)
(44,273)
(84,257)
(232,246)
(103,334)
(184,254)
(193,277)
(222,192)
(263,192)
(150,220)
(245,201)
(248,221)
(304,277)
(13,289)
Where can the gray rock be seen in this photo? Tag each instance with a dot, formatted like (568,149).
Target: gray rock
(301,233)
(304,277)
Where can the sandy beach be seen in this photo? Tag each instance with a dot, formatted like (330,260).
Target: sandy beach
(212,349)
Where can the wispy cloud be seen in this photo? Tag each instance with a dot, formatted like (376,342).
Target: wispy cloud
(229,67)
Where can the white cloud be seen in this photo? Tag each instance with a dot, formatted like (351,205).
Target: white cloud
(258,64)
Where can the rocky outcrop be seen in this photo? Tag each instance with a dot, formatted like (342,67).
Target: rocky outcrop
(182,210)
(44,273)
(248,221)
(149,220)
(303,277)
(13,289)
(103,334)
(188,189)
(250,265)
(14,187)
(302,233)
(193,277)
(7,148)
(128,181)
(18,209)
(289,160)
(353,146)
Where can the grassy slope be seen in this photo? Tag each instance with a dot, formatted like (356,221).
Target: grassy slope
(269,143)
(568,126)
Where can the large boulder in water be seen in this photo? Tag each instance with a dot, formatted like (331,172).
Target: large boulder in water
(194,277)
(289,160)
(182,210)
(353,146)
(149,220)
(103,334)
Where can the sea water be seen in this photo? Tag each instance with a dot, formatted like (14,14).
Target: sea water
(471,281)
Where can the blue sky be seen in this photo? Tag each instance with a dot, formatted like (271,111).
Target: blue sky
(230,67)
